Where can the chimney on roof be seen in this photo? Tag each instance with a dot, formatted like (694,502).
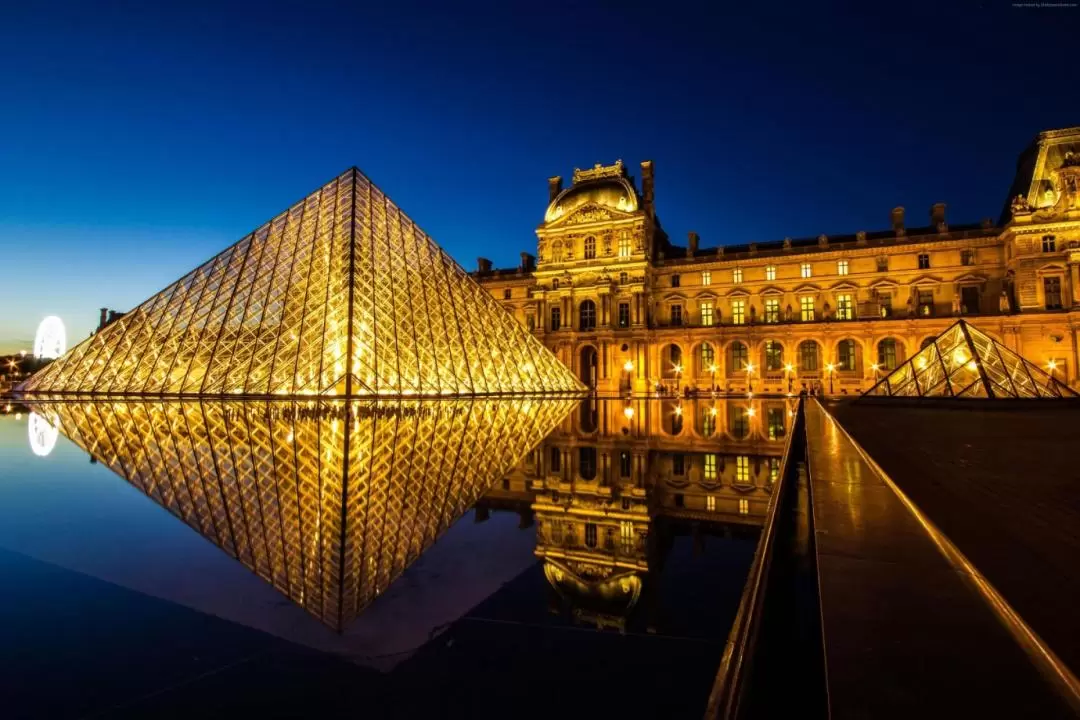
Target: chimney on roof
(937,217)
(691,243)
(528,262)
(554,187)
(647,185)
(103,319)
(898,221)
(483,265)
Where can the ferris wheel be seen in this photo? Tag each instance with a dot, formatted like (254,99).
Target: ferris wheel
(43,435)
(51,339)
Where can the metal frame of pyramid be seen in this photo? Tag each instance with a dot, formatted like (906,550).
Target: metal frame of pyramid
(341,295)
(965,362)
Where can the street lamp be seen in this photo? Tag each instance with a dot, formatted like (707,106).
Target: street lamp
(830,368)
(790,370)
(712,371)
(1051,366)
(628,368)
(875,368)
(678,377)
(749,377)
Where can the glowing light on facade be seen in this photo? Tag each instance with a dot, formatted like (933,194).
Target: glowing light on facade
(43,435)
(50,342)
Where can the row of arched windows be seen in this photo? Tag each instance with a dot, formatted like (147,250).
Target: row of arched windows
(808,356)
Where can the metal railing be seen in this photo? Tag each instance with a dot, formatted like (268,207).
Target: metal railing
(734,672)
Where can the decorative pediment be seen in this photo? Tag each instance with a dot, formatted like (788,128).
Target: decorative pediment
(884,284)
(807,289)
(925,280)
(1051,269)
(705,296)
(771,290)
(970,279)
(590,213)
(674,297)
(737,292)
(844,285)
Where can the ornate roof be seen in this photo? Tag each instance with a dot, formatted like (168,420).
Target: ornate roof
(604,185)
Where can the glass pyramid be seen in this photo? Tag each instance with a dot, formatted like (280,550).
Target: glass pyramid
(342,294)
(329,501)
(964,361)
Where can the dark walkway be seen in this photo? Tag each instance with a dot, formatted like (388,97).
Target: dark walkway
(905,633)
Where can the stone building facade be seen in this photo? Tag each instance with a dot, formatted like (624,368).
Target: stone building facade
(627,309)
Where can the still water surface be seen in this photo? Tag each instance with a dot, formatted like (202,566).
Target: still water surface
(169,558)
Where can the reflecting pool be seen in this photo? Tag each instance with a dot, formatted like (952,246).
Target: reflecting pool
(426,554)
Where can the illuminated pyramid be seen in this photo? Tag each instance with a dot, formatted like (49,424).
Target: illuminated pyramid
(964,361)
(340,295)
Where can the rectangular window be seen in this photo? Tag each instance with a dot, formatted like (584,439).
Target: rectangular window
(624,463)
(674,281)
(772,310)
(885,304)
(624,246)
(738,312)
(774,469)
(969,300)
(806,308)
(846,355)
(710,503)
(967,257)
(706,278)
(742,470)
(770,272)
(556,460)
(624,277)
(626,534)
(530,321)
(676,314)
(678,464)
(775,423)
(924,261)
(707,314)
(841,267)
(1049,243)
(507,294)
(556,318)
(590,248)
(883,264)
(1052,290)
(736,275)
(710,467)
(926,302)
(806,270)
(590,535)
(624,315)
(844,310)
(744,506)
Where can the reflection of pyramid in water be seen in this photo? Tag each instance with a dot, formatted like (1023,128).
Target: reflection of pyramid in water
(964,361)
(342,294)
(327,501)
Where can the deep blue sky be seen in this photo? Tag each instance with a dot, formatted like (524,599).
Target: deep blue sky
(139,138)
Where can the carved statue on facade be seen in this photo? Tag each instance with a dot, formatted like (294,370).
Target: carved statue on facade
(911,305)
(787,313)
(1020,205)
(787,243)
(823,240)
(956,303)
(1003,303)
(753,315)
(826,312)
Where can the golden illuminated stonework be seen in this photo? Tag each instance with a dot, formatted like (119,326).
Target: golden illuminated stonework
(342,294)
(329,501)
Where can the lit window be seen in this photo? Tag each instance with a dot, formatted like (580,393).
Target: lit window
(507,294)
(706,313)
(885,304)
(841,267)
(808,355)
(845,354)
(590,247)
(806,270)
(624,315)
(1049,243)
(676,314)
(774,355)
(739,354)
(706,278)
(556,318)
(744,506)
(710,467)
(776,423)
(774,469)
(736,275)
(924,261)
(708,421)
(770,272)
(886,350)
(708,356)
(806,308)
(742,470)
(624,246)
(674,281)
(772,310)
(710,503)
(626,534)
(1052,291)
(926,302)
(738,312)
(844,310)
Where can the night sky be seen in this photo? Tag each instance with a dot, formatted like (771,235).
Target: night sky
(139,139)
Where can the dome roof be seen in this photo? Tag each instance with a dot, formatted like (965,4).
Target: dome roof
(616,193)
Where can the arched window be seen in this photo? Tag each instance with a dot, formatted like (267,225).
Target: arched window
(925,343)
(845,355)
(739,421)
(587,315)
(774,355)
(675,354)
(587,463)
(590,247)
(708,357)
(887,355)
(708,421)
(738,356)
(808,355)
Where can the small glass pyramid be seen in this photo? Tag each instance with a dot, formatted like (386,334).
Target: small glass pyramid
(964,361)
(342,295)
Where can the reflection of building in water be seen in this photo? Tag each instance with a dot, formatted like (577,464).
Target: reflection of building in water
(611,486)
(327,501)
